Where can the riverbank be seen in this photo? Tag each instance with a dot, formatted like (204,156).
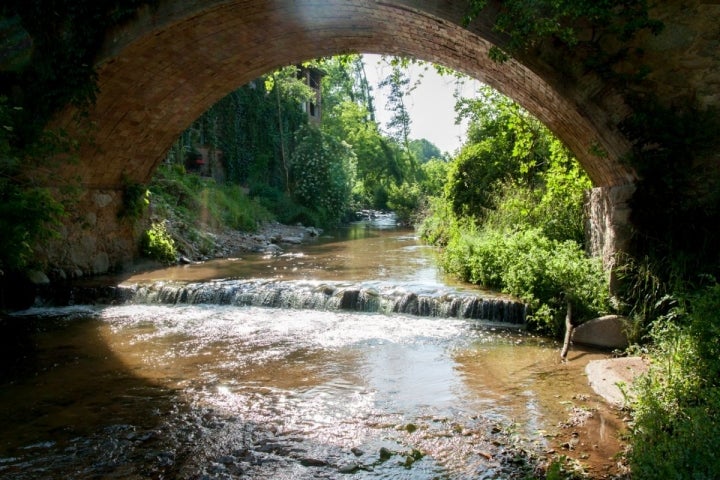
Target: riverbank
(268,238)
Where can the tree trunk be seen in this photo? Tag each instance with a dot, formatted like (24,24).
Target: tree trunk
(568,332)
(286,170)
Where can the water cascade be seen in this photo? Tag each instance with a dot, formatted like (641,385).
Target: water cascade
(302,295)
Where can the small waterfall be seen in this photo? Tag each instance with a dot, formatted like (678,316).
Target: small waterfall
(327,296)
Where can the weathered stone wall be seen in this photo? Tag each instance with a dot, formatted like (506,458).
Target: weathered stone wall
(608,228)
(94,240)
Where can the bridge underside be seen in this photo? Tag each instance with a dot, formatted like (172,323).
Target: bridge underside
(154,86)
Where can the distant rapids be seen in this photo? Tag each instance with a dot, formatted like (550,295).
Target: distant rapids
(371,298)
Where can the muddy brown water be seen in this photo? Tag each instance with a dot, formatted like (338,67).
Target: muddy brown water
(225,391)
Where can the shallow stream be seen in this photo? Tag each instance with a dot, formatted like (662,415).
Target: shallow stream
(190,390)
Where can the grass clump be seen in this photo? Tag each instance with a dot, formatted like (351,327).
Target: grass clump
(194,206)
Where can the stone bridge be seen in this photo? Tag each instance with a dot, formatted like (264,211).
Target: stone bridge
(174,61)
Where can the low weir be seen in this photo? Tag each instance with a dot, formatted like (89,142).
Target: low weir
(372,298)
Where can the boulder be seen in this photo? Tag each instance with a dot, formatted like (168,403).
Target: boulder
(606,332)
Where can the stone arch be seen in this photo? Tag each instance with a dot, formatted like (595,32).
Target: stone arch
(163,71)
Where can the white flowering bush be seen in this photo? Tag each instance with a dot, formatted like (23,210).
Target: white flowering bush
(322,171)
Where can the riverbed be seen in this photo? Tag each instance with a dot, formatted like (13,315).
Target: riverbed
(157,389)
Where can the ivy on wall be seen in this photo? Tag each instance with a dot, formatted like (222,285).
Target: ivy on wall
(61,39)
(598,32)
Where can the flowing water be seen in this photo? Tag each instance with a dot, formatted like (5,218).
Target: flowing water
(226,384)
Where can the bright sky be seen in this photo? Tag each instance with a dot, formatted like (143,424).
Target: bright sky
(431,105)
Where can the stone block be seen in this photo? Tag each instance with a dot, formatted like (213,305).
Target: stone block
(101,263)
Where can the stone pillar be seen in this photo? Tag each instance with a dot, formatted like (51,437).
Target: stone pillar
(93,238)
(608,225)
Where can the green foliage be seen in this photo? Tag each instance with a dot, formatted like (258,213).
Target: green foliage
(433,176)
(399,85)
(230,207)
(424,150)
(472,179)
(511,216)
(404,200)
(641,294)
(173,188)
(157,244)
(378,160)
(198,201)
(676,433)
(136,199)
(598,29)
(505,142)
(322,170)
(438,224)
(64,39)
(554,204)
(544,273)
(346,81)
(29,213)
(49,51)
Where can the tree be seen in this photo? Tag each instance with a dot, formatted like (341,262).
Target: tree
(424,150)
(399,86)
(285,84)
(323,172)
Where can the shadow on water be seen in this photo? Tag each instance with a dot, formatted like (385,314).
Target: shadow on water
(71,408)
(67,404)
(82,398)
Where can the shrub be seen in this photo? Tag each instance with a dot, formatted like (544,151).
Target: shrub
(322,170)
(29,213)
(404,200)
(229,206)
(544,273)
(157,244)
(676,433)
(438,223)
(136,199)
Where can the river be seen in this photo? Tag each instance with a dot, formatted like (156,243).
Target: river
(170,383)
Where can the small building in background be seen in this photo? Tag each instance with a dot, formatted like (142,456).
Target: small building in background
(313,78)
(206,161)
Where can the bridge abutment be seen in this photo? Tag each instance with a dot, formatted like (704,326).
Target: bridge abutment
(608,228)
(94,239)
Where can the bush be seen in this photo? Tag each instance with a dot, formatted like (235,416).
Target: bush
(438,224)
(322,171)
(544,273)
(230,207)
(157,244)
(29,213)
(676,433)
